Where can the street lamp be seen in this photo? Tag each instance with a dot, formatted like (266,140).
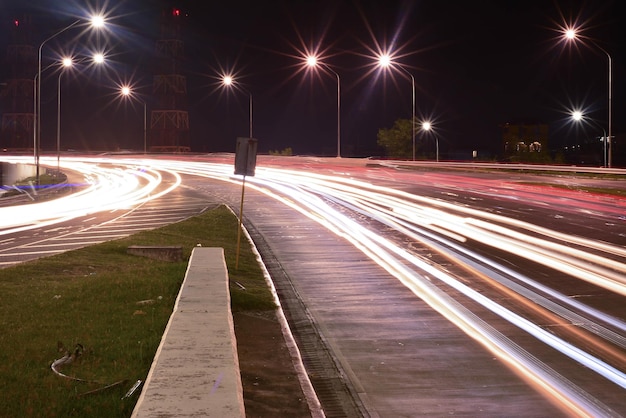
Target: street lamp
(126,91)
(66,63)
(427,126)
(35,155)
(578,116)
(385,61)
(98,58)
(313,62)
(95,22)
(228,81)
(571,35)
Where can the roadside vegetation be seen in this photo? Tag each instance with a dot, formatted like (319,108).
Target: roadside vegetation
(397,141)
(284,152)
(25,186)
(111,309)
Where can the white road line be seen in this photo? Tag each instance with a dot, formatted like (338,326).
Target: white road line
(29,253)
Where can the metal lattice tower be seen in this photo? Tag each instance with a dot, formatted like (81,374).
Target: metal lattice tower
(169,119)
(17,131)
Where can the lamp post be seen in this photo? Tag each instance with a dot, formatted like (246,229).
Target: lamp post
(127,92)
(96,22)
(228,81)
(313,62)
(578,116)
(66,63)
(570,34)
(427,126)
(35,84)
(386,62)
(145,128)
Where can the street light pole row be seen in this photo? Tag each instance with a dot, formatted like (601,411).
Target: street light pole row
(38,96)
(384,61)
(571,34)
(96,22)
(67,62)
(313,62)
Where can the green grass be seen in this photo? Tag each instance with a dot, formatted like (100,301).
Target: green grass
(89,297)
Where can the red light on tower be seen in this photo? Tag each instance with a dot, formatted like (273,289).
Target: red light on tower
(175,12)
(16,23)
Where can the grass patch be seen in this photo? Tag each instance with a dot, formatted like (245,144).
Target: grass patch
(89,297)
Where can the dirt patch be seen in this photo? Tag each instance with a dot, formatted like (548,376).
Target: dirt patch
(270,383)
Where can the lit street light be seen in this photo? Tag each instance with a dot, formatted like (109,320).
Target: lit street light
(313,62)
(228,81)
(385,61)
(427,126)
(126,91)
(571,35)
(95,22)
(578,116)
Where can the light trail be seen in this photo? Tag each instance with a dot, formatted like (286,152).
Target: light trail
(385,254)
(440,225)
(476,261)
(570,396)
(106,188)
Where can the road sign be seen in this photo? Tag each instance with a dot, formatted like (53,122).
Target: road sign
(245,156)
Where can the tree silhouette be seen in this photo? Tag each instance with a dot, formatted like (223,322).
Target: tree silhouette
(397,140)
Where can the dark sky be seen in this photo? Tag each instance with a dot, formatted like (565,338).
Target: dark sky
(476,66)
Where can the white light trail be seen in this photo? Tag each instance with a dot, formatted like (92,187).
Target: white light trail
(443,226)
(106,188)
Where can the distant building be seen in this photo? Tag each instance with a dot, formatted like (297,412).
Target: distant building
(522,139)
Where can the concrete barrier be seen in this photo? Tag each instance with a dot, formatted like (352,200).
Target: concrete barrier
(12,173)
(196,370)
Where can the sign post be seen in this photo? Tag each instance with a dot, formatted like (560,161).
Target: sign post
(245,164)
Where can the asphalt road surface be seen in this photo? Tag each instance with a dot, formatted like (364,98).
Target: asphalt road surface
(436,347)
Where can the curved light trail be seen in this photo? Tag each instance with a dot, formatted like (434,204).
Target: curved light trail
(339,203)
(106,187)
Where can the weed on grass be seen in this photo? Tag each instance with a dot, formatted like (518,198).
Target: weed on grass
(115,306)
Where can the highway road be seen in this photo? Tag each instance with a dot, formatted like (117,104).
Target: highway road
(107,202)
(433,292)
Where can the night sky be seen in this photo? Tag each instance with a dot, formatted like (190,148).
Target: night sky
(476,65)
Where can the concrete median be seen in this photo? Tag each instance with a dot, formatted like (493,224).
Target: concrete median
(196,370)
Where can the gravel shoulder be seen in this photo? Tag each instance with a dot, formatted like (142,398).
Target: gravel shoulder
(271,387)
